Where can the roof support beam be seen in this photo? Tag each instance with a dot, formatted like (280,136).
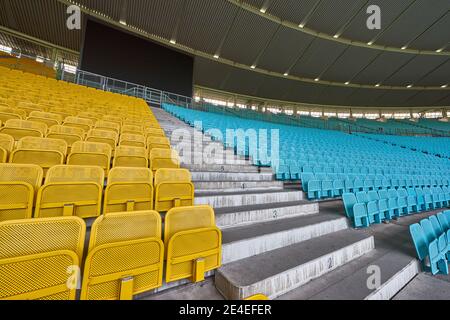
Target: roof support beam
(325,36)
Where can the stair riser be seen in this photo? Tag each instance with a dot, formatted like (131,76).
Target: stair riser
(238,219)
(231,186)
(248,199)
(250,247)
(224,176)
(395,284)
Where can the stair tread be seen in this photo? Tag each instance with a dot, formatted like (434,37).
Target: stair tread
(248,271)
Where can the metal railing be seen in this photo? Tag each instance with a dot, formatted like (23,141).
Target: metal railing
(157,98)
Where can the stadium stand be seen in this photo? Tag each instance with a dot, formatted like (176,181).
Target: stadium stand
(60,168)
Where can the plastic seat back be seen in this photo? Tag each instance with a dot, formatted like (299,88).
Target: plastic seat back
(90,154)
(18,185)
(6,146)
(126,256)
(420,241)
(126,156)
(164,159)
(39,258)
(129,189)
(193,243)
(71,191)
(173,188)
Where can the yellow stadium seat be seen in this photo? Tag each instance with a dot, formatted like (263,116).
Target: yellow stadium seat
(43,152)
(193,243)
(157,143)
(132,140)
(132,122)
(50,119)
(130,157)
(29,107)
(164,159)
(77,122)
(6,146)
(132,129)
(112,118)
(129,189)
(173,188)
(71,191)
(108,125)
(18,186)
(257,297)
(24,128)
(94,117)
(90,154)
(63,112)
(103,136)
(69,134)
(153,132)
(8,113)
(126,256)
(40,258)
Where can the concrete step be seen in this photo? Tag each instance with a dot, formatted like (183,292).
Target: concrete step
(426,287)
(247,241)
(245,215)
(231,176)
(205,290)
(234,186)
(215,163)
(279,271)
(221,168)
(234,199)
(354,281)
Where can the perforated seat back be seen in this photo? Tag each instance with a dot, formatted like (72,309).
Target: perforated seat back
(39,258)
(44,152)
(158,142)
(124,226)
(108,125)
(48,118)
(129,189)
(18,186)
(125,258)
(90,154)
(132,129)
(77,122)
(24,128)
(71,190)
(132,140)
(153,132)
(193,243)
(103,136)
(126,156)
(173,189)
(6,146)
(164,159)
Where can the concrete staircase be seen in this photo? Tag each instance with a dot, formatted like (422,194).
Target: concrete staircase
(275,242)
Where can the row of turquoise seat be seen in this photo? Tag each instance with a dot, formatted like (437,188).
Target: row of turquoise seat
(334,185)
(366,208)
(431,238)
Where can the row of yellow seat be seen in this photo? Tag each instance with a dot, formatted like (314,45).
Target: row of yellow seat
(79,191)
(73,135)
(41,258)
(48,152)
(27,65)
